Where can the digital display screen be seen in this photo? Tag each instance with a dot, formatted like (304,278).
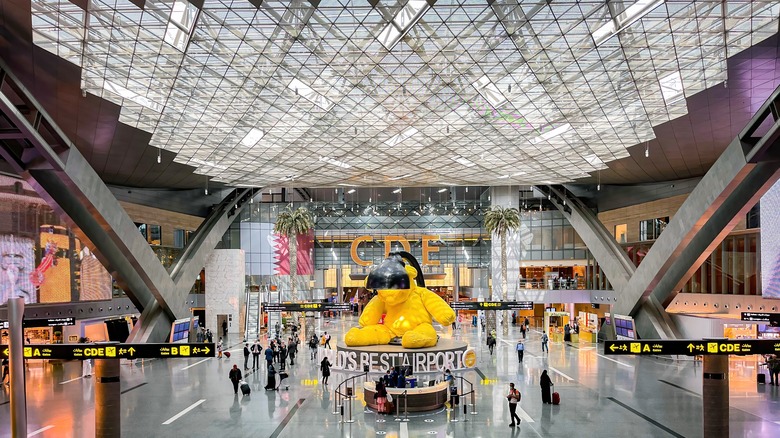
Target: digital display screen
(770,243)
(181,330)
(624,328)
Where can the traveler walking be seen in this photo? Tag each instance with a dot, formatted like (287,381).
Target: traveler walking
(774,370)
(5,371)
(292,350)
(523,330)
(520,351)
(526,324)
(381,397)
(282,357)
(313,346)
(256,350)
(546,384)
(567,333)
(209,336)
(235,376)
(514,398)
(327,340)
(325,368)
(491,343)
(219,349)
(246,357)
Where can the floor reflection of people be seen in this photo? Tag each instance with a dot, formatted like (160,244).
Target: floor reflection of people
(235,408)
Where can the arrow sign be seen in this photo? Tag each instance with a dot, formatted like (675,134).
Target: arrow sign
(613,347)
(113,351)
(205,350)
(691,347)
(131,350)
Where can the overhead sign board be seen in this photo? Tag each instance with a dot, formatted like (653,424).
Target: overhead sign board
(693,347)
(49,322)
(769,318)
(492,305)
(113,351)
(306,307)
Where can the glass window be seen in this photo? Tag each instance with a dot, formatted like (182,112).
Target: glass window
(620,233)
(650,229)
(143,230)
(155,235)
(179,238)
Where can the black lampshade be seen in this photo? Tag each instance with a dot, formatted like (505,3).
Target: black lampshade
(390,274)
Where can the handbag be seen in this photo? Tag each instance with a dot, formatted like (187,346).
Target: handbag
(389,397)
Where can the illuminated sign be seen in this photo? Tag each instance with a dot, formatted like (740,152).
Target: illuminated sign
(113,351)
(427,249)
(769,318)
(492,305)
(49,322)
(306,307)
(694,347)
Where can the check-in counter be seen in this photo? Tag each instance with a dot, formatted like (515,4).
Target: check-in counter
(420,399)
(588,336)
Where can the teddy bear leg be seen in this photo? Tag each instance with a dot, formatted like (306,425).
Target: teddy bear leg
(424,335)
(376,334)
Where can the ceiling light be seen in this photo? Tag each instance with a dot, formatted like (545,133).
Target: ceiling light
(252,137)
(309,94)
(208,163)
(351,191)
(398,138)
(398,190)
(442,190)
(551,133)
(335,162)
(623,20)
(400,25)
(503,176)
(489,91)
(401,177)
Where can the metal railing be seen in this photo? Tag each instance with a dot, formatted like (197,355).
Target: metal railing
(340,396)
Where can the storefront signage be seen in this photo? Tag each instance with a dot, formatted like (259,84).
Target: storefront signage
(306,307)
(492,305)
(420,362)
(49,322)
(427,249)
(769,318)
(113,351)
(693,347)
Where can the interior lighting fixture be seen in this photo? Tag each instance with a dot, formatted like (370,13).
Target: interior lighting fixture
(598,186)
(208,163)
(487,89)
(335,162)
(252,137)
(403,21)
(551,133)
(180,24)
(442,190)
(623,20)
(206,190)
(159,158)
(647,149)
(351,191)
(309,94)
(398,138)
(398,190)
(401,177)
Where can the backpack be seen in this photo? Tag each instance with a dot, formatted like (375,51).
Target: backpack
(544,337)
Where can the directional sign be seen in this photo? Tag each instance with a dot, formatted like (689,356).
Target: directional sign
(306,307)
(49,322)
(770,318)
(113,351)
(492,305)
(693,347)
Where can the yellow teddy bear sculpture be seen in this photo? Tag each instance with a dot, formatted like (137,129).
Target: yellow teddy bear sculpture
(407,313)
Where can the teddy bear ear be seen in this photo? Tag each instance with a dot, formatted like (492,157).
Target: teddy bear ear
(411,271)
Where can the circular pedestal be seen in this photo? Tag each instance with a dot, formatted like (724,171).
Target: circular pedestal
(448,353)
(423,399)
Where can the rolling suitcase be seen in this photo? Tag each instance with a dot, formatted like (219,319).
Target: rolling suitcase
(761,378)
(245,389)
(556,398)
(227,354)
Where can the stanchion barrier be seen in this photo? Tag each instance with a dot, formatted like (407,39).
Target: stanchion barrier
(351,420)
(406,406)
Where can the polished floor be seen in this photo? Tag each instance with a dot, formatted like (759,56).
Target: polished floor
(601,396)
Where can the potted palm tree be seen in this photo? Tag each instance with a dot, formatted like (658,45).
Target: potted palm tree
(499,221)
(291,223)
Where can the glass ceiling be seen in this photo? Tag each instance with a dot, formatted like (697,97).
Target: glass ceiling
(403,93)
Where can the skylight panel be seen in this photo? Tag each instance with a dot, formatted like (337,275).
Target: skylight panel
(335,162)
(487,89)
(309,94)
(399,26)
(180,24)
(252,137)
(132,96)
(463,161)
(551,133)
(622,21)
(671,87)
(396,139)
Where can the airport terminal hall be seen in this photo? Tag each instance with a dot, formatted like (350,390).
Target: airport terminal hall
(390,218)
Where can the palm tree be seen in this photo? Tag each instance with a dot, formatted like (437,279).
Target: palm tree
(291,223)
(500,220)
